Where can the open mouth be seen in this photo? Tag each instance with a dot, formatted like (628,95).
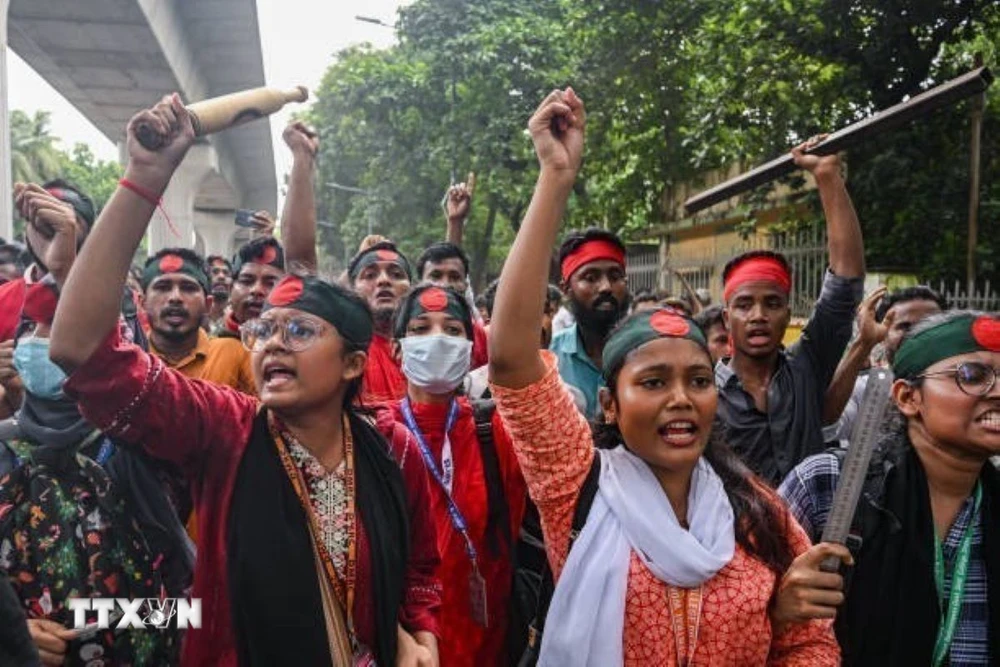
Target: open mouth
(276,375)
(174,317)
(990,420)
(758,337)
(679,433)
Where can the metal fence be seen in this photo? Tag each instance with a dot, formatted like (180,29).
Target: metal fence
(643,268)
(960,297)
(806,253)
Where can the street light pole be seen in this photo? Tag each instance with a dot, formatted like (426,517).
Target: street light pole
(373,21)
(371,194)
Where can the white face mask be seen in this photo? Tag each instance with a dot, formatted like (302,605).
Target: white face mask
(437,363)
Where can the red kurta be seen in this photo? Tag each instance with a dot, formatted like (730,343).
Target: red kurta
(12,296)
(205,428)
(480,349)
(383,380)
(463,641)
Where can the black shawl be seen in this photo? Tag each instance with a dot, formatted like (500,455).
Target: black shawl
(275,597)
(891,615)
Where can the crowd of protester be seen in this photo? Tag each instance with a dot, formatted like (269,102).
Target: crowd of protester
(385,468)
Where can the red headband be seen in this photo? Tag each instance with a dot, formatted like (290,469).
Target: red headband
(758,269)
(591,251)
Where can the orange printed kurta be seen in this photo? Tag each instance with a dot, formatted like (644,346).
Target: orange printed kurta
(555,449)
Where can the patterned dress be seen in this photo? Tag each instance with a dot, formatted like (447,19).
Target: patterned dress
(555,448)
(65,534)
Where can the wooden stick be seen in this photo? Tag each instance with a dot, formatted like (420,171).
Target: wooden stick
(944,95)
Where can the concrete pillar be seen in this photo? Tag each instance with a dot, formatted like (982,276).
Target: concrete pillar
(178,201)
(217,230)
(6,205)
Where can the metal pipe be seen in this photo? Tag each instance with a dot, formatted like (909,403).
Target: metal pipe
(944,95)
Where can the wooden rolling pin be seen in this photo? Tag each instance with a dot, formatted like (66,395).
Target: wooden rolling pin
(220,113)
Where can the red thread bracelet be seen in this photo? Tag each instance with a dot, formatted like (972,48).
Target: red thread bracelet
(150,197)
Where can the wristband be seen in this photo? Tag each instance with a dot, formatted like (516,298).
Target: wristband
(152,198)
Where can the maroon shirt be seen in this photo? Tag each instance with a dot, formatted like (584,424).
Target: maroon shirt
(205,428)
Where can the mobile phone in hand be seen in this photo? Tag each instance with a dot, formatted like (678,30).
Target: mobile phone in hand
(244,218)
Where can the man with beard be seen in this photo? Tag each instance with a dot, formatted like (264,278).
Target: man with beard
(592,264)
(381,275)
(220,276)
(257,268)
(176,299)
(771,399)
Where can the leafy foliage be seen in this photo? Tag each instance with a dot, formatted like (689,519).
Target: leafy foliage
(674,88)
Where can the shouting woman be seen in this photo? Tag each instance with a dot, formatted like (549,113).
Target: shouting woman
(311,549)
(925,589)
(682,550)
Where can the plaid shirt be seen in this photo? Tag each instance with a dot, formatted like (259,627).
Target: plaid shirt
(809,490)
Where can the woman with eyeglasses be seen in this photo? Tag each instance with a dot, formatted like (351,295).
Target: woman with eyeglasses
(314,546)
(925,585)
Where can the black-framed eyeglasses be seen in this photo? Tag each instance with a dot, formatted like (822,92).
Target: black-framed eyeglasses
(973,377)
(297,333)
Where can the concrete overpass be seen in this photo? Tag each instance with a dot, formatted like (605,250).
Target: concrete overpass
(110,58)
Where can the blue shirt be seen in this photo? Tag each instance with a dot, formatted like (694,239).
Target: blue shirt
(809,491)
(576,368)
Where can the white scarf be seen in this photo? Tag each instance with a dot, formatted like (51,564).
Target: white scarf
(632,513)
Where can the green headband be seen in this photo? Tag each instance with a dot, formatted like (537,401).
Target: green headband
(269,254)
(435,300)
(646,326)
(962,335)
(383,252)
(171,263)
(311,295)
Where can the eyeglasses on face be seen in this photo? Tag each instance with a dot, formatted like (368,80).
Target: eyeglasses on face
(297,333)
(973,377)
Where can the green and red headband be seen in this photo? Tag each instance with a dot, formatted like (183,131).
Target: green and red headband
(171,263)
(644,327)
(378,254)
(961,335)
(82,206)
(758,269)
(350,317)
(591,251)
(436,300)
(268,254)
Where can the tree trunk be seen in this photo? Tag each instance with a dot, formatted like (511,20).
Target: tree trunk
(481,256)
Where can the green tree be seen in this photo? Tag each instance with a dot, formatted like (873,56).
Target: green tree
(97,178)
(34,155)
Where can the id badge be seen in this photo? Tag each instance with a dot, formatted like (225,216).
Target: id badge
(477,598)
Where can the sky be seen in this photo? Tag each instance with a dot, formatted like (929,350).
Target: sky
(299,39)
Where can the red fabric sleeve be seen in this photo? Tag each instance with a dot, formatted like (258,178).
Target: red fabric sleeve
(11,304)
(132,395)
(480,345)
(421,587)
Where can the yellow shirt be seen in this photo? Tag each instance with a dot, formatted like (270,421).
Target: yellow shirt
(219,360)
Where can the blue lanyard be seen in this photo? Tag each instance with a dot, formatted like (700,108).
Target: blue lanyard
(457,520)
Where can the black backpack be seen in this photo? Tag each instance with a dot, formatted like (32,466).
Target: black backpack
(534,584)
